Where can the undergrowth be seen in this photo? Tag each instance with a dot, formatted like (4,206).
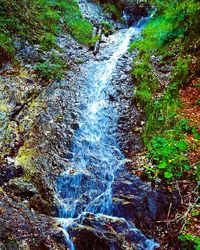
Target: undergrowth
(40,21)
(172,38)
(52,68)
(171,34)
(189,241)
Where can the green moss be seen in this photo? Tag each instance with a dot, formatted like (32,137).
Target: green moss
(26,158)
(4,107)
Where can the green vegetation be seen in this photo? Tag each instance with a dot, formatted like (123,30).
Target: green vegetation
(52,68)
(168,60)
(38,21)
(113,10)
(188,241)
(80,28)
(107,28)
(49,71)
(172,33)
(48,41)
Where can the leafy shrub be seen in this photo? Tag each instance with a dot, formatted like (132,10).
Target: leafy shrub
(107,27)
(142,72)
(180,74)
(5,43)
(51,19)
(164,132)
(48,41)
(168,155)
(50,71)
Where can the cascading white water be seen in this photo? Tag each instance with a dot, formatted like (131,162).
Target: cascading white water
(86,185)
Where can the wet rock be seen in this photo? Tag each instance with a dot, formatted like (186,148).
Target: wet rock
(44,201)
(23,227)
(92,11)
(133,144)
(30,53)
(138,202)
(39,204)
(18,44)
(9,171)
(22,187)
(105,232)
(2,246)
(16,110)
(2,116)
(132,10)
(102,58)
(128,69)
(129,116)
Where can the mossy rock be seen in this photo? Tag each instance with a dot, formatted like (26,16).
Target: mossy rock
(26,158)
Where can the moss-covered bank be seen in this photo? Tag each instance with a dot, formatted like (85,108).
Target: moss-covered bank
(40,21)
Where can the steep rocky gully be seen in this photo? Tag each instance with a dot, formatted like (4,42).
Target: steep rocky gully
(64,149)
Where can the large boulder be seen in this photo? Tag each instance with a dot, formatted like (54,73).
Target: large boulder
(138,202)
(105,232)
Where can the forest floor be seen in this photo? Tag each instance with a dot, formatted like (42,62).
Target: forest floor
(190,98)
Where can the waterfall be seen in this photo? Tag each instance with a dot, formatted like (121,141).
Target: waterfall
(86,184)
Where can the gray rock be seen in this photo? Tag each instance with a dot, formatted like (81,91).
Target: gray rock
(20,186)
(30,53)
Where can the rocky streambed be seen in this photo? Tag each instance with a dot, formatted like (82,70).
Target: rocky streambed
(39,124)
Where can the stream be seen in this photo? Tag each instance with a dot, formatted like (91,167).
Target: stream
(86,188)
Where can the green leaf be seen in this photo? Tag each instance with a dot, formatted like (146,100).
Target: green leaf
(187,127)
(162,165)
(168,175)
(186,167)
(194,131)
(197,136)
(161,118)
(197,101)
(178,174)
